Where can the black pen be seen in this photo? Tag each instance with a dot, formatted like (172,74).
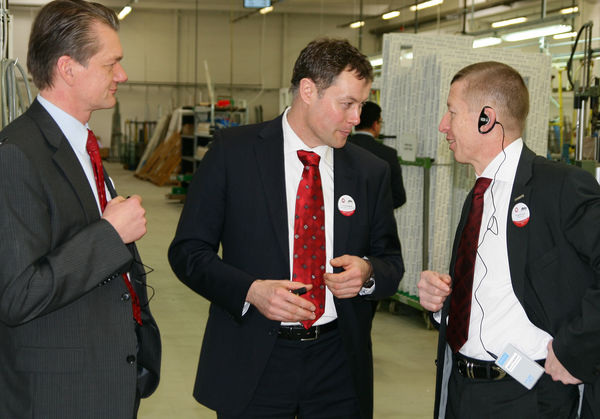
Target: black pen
(299,291)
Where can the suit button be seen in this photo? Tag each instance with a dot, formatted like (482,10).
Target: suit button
(131,360)
(125,297)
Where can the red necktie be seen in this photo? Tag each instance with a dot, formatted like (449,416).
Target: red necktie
(460,304)
(94,152)
(309,233)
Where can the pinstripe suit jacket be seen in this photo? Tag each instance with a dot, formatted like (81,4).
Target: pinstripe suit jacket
(68,345)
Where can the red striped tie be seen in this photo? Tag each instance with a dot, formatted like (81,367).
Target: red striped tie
(94,152)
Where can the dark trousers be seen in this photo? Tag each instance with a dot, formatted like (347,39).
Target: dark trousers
(305,380)
(508,399)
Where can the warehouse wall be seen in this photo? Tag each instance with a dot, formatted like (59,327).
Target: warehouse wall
(250,59)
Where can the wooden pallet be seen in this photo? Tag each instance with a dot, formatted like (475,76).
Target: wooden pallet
(163,163)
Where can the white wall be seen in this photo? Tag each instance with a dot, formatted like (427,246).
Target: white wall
(250,57)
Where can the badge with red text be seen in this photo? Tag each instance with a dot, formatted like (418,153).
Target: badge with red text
(346,205)
(520,215)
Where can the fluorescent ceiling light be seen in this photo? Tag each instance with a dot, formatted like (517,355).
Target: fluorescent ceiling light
(266,10)
(486,42)
(508,22)
(426,4)
(357,24)
(536,33)
(569,10)
(565,35)
(376,61)
(487,12)
(390,15)
(124,12)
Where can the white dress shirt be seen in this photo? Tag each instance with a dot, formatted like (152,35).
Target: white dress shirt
(293,174)
(497,317)
(76,134)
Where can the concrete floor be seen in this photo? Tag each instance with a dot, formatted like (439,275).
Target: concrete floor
(404,350)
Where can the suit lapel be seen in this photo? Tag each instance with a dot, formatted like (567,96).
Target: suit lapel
(517,237)
(269,155)
(344,183)
(65,158)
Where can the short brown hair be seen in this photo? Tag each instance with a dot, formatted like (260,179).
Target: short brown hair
(324,59)
(497,85)
(63,27)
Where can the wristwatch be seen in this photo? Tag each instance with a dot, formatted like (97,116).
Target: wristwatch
(371,279)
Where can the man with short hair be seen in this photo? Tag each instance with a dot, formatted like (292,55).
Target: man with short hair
(366,136)
(525,267)
(77,339)
(308,239)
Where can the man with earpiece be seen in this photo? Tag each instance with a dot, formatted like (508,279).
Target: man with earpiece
(519,311)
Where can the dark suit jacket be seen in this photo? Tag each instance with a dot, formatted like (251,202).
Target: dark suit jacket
(390,155)
(68,343)
(554,262)
(238,199)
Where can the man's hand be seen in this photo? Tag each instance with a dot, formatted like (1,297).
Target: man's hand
(347,283)
(274,299)
(127,216)
(556,370)
(434,288)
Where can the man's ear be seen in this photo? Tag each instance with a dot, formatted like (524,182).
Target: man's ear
(66,69)
(307,90)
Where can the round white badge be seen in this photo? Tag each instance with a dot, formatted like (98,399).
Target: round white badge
(520,215)
(346,205)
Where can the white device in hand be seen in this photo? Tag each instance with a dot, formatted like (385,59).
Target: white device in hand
(519,366)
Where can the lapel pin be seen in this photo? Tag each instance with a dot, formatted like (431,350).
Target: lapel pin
(346,205)
(520,215)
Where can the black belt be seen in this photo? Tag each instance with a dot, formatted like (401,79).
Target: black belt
(481,370)
(302,334)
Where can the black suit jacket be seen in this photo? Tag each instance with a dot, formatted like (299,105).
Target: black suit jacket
(554,263)
(390,155)
(68,344)
(237,199)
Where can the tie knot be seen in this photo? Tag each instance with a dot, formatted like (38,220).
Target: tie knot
(481,185)
(308,158)
(92,142)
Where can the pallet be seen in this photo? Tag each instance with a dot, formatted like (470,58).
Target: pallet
(163,164)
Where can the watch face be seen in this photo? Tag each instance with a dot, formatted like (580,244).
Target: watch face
(368,283)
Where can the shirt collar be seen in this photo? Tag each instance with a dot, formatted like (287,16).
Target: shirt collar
(75,132)
(364,133)
(292,143)
(504,165)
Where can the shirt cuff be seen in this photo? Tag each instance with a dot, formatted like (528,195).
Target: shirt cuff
(367,291)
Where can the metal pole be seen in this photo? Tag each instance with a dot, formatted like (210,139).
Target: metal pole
(360,28)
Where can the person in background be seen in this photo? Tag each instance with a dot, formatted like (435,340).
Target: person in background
(366,134)
(77,339)
(525,269)
(308,238)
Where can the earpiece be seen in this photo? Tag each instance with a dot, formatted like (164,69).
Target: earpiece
(484,120)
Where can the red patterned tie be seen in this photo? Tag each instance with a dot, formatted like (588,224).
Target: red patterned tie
(94,152)
(309,233)
(460,304)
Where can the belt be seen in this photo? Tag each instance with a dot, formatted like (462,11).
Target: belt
(481,370)
(301,334)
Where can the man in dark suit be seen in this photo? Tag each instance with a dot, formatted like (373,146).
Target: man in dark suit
(258,360)
(534,278)
(72,344)
(365,135)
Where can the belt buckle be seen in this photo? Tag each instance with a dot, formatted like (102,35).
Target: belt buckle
(470,373)
(501,372)
(315,337)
